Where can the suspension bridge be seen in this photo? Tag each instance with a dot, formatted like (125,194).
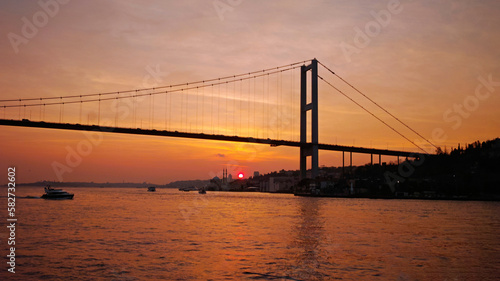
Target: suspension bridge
(270,106)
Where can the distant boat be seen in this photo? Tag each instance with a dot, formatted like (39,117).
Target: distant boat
(51,193)
(202,191)
(186,189)
(152,188)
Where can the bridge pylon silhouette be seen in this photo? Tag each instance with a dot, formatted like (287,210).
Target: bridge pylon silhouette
(309,149)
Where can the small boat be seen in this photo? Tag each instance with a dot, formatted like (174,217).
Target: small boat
(202,191)
(187,189)
(152,188)
(51,193)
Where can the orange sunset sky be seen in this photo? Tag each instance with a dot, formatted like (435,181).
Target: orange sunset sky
(433,64)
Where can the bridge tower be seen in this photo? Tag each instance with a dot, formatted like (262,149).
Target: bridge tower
(309,148)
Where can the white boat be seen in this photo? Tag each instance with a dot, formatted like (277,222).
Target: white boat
(51,193)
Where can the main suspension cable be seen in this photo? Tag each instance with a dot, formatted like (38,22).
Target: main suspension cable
(369,112)
(379,106)
(162,87)
(180,90)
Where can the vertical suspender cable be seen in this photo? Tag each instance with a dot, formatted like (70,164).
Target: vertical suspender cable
(254,100)
(218,108)
(263,103)
(241,103)
(151,110)
(226,90)
(268,105)
(234,108)
(116,112)
(277,106)
(203,108)
(196,121)
(134,101)
(169,111)
(212,108)
(81,104)
(166,110)
(99,112)
(183,97)
(187,119)
(249,106)
(292,106)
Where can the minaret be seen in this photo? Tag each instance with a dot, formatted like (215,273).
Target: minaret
(224,179)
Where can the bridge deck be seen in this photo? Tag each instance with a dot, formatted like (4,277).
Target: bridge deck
(272,142)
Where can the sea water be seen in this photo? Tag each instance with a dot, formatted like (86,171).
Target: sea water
(132,234)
